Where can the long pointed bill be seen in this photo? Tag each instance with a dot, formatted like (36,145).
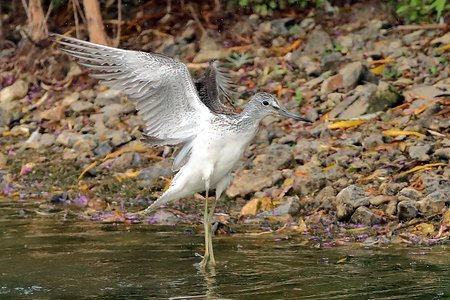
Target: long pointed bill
(288,114)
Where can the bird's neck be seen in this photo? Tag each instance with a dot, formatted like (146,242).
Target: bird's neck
(251,116)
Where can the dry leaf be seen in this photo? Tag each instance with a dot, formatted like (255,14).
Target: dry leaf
(329,167)
(418,168)
(256,205)
(395,132)
(126,175)
(424,229)
(446,219)
(377,70)
(87,169)
(346,124)
(133,148)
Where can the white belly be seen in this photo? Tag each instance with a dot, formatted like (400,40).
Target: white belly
(212,157)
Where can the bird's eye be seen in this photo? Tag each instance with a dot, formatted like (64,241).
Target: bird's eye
(265,102)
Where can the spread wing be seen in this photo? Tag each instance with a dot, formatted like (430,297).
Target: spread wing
(216,88)
(160,87)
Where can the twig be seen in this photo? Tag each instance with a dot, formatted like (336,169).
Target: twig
(416,27)
(75,16)
(49,10)
(119,17)
(196,19)
(25,6)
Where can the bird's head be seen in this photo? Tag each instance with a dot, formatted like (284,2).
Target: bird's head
(267,104)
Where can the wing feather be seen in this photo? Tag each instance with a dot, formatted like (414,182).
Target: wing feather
(161,88)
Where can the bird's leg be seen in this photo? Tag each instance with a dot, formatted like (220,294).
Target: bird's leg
(208,240)
(210,216)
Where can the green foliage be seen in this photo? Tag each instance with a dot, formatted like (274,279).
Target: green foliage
(267,7)
(422,10)
(237,60)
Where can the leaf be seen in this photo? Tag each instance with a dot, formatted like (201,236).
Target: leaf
(424,229)
(133,148)
(346,124)
(329,167)
(395,132)
(443,48)
(377,70)
(126,175)
(418,168)
(87,169)
(256,205)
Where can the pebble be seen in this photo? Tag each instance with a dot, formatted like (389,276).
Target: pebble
(420,153)
(364,215)
(348,199)
(407,210)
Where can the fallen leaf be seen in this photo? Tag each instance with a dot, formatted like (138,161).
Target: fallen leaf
(446,219)
(418,168)
(443,48)
(424,229)
(377,70)
(329,167)
(346,124)
(395,132)
(126,175)
(256,205)
(87,169)
(133,148)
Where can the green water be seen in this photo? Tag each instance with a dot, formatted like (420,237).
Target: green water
(44,258)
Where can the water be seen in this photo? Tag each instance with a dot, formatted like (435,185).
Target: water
(43,258)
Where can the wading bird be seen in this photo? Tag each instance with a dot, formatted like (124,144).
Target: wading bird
(178,111)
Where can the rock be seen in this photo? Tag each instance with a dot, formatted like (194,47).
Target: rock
(348,199)
(126,161)
(113,110)
(373,140)
(70,154)
(81,105)
(365,99)
(67,138)
(381,199)
(442,153)
(445,39)
(88,94)
(425,93)
(434,203)
(47,140)
(118,137)
(412,37)
(351,74)
(407,210)
(306,63)
(364,215)
(84,145)
(250,181)
(410,193)
(150,174)
(391,188)
(331,84)
(69,99)
(318,42)
(163,217)
(103,149)
(326,197)
(304,185)
(391,208)
(17,90)
(209,49)
(282,26)
(420,153)
(291,206)
(10,111)
(107,97)
(277,157)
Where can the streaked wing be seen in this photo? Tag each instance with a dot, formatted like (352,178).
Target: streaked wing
(160,87)
(216,89)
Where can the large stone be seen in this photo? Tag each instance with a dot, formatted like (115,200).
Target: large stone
(290,206)
(81,105)
(277,157)
(365,99)
(420,153)
(364,215)
(351,74)
(407,210)
(17,90)
(349,199)
(434,203)
(108,97)
(250,181)
(313,182)
(318,42)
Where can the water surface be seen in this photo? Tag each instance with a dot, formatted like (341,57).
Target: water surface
(46,258)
